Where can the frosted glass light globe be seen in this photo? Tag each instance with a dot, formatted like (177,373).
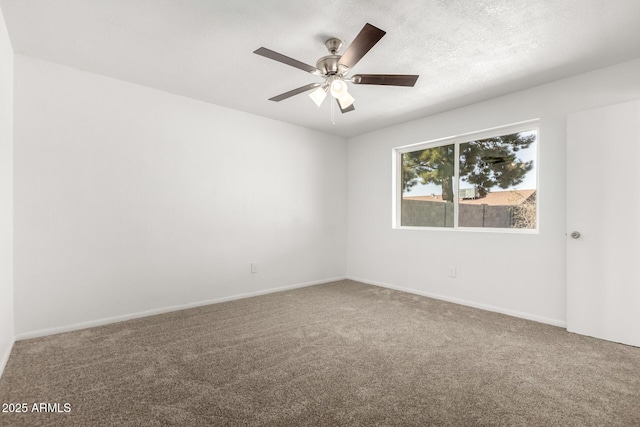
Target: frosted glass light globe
(338,88)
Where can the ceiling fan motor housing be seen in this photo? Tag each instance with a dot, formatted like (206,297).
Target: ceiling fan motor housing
(328,66)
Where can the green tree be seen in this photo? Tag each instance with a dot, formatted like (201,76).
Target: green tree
(484,163)
(432,165)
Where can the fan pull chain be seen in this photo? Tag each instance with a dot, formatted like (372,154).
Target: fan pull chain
(333,115)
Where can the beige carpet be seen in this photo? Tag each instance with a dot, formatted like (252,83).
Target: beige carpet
(342,353)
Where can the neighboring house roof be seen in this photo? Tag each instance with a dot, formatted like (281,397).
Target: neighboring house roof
(495,198)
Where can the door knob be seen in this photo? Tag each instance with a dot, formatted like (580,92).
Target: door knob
(575,234)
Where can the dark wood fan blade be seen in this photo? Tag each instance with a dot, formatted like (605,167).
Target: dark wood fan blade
(294,92)
(364,41)
(345,110)
(267,53)
(385,79)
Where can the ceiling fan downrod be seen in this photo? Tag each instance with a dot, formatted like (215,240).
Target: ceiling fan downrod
(333,45)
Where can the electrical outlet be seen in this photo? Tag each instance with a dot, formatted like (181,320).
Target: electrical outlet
(452,271)
(254,267)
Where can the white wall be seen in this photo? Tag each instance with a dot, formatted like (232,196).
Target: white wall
(519,274)
(6,195)
(131,200)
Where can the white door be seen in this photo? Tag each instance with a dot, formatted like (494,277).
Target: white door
(603,206)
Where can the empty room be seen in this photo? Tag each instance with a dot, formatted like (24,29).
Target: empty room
(298,213)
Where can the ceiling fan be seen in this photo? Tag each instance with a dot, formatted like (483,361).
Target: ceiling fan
(334,69)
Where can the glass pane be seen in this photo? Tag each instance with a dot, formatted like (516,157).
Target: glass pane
(498,185)
(427,187)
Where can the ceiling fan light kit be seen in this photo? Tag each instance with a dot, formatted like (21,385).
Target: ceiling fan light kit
(334,69)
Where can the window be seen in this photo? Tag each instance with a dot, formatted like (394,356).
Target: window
(482,180)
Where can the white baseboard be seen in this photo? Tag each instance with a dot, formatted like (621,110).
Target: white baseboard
(121,318)
(5,357)
(535,318)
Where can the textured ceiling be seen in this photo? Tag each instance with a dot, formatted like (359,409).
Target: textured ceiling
(464,51)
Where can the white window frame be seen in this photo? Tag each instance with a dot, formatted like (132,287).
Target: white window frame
(397,152)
